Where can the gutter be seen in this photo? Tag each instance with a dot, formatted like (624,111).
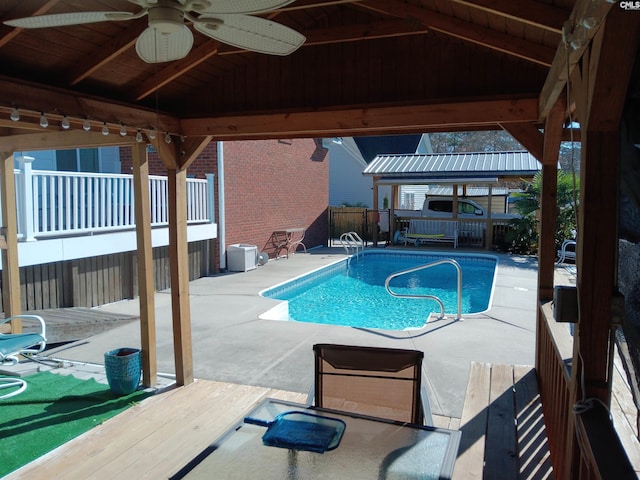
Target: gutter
(221,206)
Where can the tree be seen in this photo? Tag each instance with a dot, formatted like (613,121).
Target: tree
(480,141)
(523,237)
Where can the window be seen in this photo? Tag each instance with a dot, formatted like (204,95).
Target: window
(94,160)
(464,207)
(441,206)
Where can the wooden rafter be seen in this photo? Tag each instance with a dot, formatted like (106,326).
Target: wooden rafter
(529,12)
(40,10)
(96,60)
(476,34)
(176,69)
(318,36)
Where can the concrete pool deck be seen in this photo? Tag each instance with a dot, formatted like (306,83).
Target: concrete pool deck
(231,344)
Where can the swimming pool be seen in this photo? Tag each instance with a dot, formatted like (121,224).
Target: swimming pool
(352,293)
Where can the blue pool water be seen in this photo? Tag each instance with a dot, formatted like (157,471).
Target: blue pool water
(354,295)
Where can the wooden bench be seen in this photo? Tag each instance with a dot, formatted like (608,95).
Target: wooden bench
(503,431)
(431,231)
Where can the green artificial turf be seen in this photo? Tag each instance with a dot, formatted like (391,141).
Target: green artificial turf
(53,410)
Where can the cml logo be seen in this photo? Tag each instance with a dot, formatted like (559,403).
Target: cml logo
(630,5)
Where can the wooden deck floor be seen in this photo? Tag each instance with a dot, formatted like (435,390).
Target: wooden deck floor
(153,439)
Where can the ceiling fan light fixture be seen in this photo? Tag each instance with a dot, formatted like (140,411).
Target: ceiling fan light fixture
(155,47)
(166,20)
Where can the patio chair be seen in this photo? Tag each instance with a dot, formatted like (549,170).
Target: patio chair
(379,382)
(14,344)
(567,252)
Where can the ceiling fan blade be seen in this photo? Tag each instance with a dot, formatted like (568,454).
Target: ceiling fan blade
(252,33)
(241,6)
(155,47)
(64,19)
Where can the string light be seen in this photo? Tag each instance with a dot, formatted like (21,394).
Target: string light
(65,123)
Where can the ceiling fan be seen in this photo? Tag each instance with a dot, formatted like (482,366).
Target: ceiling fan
(168,38)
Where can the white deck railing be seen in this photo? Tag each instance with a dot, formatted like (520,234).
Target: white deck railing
(52,203)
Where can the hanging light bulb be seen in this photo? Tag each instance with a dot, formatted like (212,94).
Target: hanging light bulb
(123,130)
(65,123)
(139,137)
(167,138)
(86,126)
(44,123)
(15,114)
(152,134)
(105,129)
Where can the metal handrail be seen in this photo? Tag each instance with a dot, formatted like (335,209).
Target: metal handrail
(351,240)
(430,297)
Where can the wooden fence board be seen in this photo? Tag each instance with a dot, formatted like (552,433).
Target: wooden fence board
(97,281)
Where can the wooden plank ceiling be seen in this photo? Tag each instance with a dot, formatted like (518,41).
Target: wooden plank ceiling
(367,67)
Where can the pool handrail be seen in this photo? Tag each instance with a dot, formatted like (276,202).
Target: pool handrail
(430,297)
(351,240)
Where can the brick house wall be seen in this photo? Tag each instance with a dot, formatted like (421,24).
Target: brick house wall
(269,185)
(276,184)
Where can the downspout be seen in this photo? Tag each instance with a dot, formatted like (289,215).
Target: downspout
(221,215)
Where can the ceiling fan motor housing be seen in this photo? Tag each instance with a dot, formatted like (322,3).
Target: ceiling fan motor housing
(166,20)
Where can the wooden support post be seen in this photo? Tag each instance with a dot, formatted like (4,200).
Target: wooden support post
(177,159)
(145,264)
(489,238)
(548,200)
(10,266)
(179,265)
(600,97)
(375,208)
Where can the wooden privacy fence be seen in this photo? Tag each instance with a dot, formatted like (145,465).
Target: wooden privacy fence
(363,221)
(89,282)
(352,219)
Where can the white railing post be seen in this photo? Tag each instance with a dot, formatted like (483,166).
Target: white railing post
(25,200)
(211,201)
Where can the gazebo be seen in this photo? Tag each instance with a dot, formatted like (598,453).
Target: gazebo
(367,67)
(461,169)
